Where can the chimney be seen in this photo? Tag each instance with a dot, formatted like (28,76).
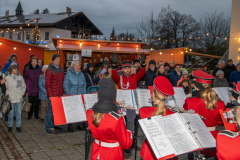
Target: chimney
(68,10)
(7,13)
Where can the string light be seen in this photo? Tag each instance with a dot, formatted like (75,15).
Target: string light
(28,24)
(198,37)
(151,48)
(207,34)
(60,40)
(181,39)
(45,45)
(186,51)
(216,37)
(137,46)
(14,48)
(235,38)
(30,49)
(190,50)
(118,44)
(172,54)
(225,38)
(159,39)
(134,39)
(98,45)
(160,53)
(80,43)
(190,37)
(1,43)
(181,52)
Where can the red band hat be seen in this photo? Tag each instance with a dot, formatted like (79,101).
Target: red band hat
(163,86)
(126,63)
(203,77)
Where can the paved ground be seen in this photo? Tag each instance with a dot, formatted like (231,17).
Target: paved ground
(34,143)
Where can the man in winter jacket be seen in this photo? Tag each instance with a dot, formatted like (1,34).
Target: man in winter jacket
(235,76)
(221,66)
(150,73)
(89,75)
(26,65)
(13,58)
(126,80)
(175,75)
(54,78)
(230,66)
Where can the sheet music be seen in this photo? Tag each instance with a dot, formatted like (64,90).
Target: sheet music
(90,100)
(74,109)
(222,93)
(179,96)
(160,145)
(170,101)
(143,96)
(202,133)
(177,134)
(125,96)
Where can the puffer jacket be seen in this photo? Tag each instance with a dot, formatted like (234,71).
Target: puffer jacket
(31,79)
(42,88)
(54,78)
(74,83)
(15,88)
(149,75)
(220,82)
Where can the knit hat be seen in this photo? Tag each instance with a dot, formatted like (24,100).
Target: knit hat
(136,60)
(32,56)
(55,56)
(219,72)
(152,62)
(89,65)
(13,55)
(166,64)
(106,97)
(184,72)
(238,64)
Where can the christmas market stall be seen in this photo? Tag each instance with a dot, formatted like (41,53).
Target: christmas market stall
(95,51)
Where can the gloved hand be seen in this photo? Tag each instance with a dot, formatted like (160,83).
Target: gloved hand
(143,58)
(131,115)
(114,58)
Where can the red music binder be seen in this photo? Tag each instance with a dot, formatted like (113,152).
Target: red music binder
(228,126)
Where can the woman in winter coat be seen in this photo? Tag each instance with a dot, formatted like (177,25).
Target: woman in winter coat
(15,89)
(220,81)
(108,74)
(89,75)
(161,72)
(43,94)
(74,84)
(32,74)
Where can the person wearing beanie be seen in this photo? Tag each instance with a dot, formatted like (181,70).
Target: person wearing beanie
(166,67)
(230,66)
(235,76)
(150,73)
(26,65)
(13,58)
(89,75)
(185,75)
(54,78)
(107,126)
(127,80)
(204,102)
(162,89)
(220,81)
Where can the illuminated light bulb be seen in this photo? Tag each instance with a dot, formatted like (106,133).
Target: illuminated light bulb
(7,31)
(225,38)
(171,54)
(235,38)
(159,39)
(60,40)
(30,49)
(190,50)
(28,24)
(51,44)
(137,46)
(151,48)
(118,44)
(198,37)
(190,37)
(0,43)
(134,39)
(80,43)
(216,37)
(186,51)
(45,45)
(122,38)
(98,45)
(181,52)
(160,53)
(14,48)
(207,34)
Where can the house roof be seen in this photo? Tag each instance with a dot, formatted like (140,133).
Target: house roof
(50,19)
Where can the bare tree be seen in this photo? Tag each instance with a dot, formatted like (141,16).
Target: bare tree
(147,28)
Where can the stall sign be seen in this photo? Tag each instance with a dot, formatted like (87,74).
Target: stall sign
(86,53)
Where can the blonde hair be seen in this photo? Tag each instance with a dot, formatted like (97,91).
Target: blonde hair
(97,118)
(209,97)
(161,105)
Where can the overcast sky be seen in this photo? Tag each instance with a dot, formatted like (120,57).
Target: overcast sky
(123,15)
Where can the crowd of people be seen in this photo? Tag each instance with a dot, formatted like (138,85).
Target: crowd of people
(42,82)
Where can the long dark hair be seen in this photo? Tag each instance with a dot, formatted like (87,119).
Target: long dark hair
(158,73)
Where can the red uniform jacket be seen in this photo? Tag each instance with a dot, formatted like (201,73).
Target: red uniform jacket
(146,150)
(212,116)
(132,79)
(111,129)
(228,147)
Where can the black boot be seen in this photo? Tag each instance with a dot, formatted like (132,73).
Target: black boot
(70,128)
(41,120)
(19,129)
(6,118)
(9,129)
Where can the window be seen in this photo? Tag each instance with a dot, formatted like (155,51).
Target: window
(28,36)
(19,35)
(2,34)
(10,35)
(46,35)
